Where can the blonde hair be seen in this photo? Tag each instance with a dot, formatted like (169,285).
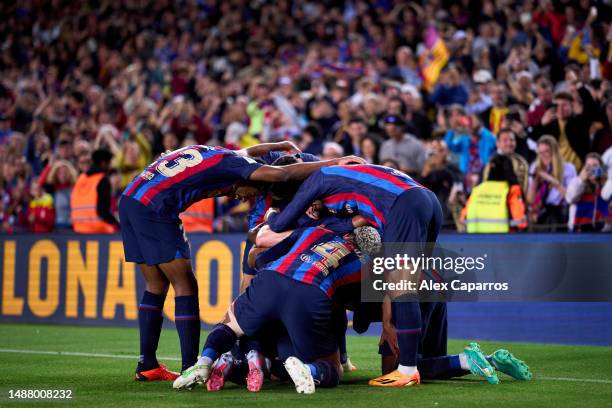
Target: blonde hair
(72,173)
(557,160)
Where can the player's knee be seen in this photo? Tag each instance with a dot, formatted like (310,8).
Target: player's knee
(185,285)
(158,288)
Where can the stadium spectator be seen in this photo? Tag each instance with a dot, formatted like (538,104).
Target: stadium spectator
(589,196)
(471,143)
(90,202)
(602,140)
(506,146)
(350,139)
(571,129)
(332,150)
(369,149)
(450,90)
(543,101)
(60,181)
(494,116)
(41,214)
(549,176)
(15,195)
(440,175)
(496,205)
(402,147)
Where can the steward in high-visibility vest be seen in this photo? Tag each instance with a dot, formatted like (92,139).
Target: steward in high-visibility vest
(496,206)
(90,201)
(199,216)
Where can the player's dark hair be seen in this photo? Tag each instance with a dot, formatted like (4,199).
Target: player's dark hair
(101,156)
(500,169)
(285,160)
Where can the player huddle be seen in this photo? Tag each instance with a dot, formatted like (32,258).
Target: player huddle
(315,224)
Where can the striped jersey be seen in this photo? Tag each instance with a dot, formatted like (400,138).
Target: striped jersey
(175,181)
(367,190)
(316,256)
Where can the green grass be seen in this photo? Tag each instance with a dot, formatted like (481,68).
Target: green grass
(108,381)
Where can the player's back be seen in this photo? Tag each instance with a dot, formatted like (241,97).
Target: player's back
(316,256)
(368,189)
(176,180)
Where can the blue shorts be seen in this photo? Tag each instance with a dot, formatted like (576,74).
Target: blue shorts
(417,218)
(148,237)
(246,269)
(303,309)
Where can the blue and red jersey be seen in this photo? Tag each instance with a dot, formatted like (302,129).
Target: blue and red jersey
(264,201)
(315,256)
(592,209)
(175,181)
(367,190)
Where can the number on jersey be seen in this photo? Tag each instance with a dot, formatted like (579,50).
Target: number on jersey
(187,158)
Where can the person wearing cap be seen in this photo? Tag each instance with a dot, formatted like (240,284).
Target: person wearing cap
(479,101)
(402,147)
(90,202)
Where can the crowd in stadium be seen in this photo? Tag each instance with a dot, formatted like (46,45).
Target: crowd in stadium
(455,94)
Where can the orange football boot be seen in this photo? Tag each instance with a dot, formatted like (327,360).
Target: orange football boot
(160,373)
(396,379)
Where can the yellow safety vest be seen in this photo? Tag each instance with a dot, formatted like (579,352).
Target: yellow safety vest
(487,210)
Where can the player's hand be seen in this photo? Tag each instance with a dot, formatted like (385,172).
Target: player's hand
(270,211)
(389,334)
(350,160)
(359,221)
(289,147)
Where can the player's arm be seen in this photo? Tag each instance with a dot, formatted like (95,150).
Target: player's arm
(298,171)
(267,238)
(265,148)
(342,225)
(268,255)
(313,188)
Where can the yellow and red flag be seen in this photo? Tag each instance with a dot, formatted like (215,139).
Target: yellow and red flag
(433,59)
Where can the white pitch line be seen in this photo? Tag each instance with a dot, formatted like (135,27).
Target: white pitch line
(122,356)
(78,354)
(587,380)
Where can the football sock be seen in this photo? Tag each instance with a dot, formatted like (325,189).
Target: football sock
(407,319)
(187,319)
(340,327)
(150,322)
(220,340)
(324,373)
(407,370)
(278,370)
(463,363)
(442,368)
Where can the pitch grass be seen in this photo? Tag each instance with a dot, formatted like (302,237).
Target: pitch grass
(109,381)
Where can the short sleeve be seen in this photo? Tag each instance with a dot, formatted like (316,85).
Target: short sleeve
(240,166)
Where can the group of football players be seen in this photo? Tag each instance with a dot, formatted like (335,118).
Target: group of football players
(314,227)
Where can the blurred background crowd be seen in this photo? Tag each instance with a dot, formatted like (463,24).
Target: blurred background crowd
(455,93)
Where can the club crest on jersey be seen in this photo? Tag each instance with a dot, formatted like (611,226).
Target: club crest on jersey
(306,258)
(348,208)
